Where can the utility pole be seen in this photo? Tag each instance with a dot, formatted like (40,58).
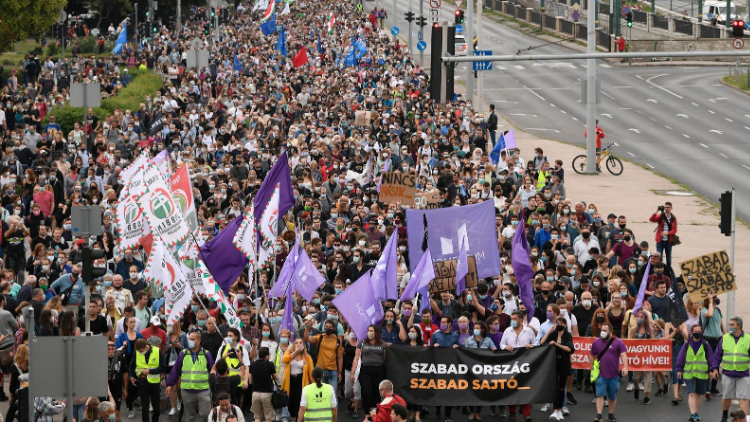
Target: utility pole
(136,25)
(591,90)
(411,19)
(730,295)
(444,96)
(421,31)
(469,37)
(480,34)
(395,17)
(150,16)
(216,22)
(179,17)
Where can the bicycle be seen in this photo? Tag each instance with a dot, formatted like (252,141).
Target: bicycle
(614,165)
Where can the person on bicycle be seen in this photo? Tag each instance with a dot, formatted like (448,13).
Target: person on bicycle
(599,136)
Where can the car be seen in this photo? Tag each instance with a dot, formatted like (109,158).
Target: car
(461,47)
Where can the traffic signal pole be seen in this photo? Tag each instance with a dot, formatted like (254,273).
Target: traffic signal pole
(591,164)
(480,34)
(421,31)
(469,37)
(730,295)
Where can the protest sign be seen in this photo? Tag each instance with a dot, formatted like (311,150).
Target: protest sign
(472,377)
(445,275)
(398,187)
(427,200)
(643,355)
(361,118)
(708,274)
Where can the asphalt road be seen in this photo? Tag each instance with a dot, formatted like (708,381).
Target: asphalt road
(679,121)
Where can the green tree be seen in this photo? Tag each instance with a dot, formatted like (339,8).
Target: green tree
(22,18)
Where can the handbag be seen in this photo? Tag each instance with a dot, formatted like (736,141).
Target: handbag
(676,240)
(596,366)
(6,356)
(279,397)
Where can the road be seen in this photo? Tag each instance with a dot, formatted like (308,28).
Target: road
(679,121)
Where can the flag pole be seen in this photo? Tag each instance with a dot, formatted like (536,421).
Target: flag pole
(204,263)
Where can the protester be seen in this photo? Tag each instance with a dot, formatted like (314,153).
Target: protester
(225,409)
(562,340)
(372,354)
(731,354)
(383,411)
(146,371)
(191,370)
(297,374)
(611,354)
(318,400)
(693,366)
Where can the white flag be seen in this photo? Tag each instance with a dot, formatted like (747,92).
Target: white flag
(267,231)
(161,210)
(131,223)
(228,310)
(286,9)
(245,239)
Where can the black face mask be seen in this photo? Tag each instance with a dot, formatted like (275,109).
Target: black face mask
(697,336)
(600,319)
(545,292)
(559,328)
(586,235)
(622,226)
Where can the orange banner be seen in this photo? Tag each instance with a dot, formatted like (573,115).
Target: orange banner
(643,355)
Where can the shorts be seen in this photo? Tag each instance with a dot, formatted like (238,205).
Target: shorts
(735,388)
(607,388)
(262,406)
(352,390)
(696,386)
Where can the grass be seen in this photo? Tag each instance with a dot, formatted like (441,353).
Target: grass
(742,84)
(13,59)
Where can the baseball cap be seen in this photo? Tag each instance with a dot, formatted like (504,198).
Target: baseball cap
(155,320)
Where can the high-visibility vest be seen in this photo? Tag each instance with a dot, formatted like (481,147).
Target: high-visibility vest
(195,374)
(318,403)
(696,365)
(234,363)
(153,363)
(735,356)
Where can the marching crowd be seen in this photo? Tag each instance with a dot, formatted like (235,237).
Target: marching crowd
(229,125)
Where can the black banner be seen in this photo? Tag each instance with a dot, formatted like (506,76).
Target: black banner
(472,377)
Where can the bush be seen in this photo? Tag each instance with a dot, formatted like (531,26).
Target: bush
(88,45)
(144,83)
(52,49)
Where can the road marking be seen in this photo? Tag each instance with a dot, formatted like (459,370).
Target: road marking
(746,167)
(695,104)
(563,111)
(575,119)
(683,115)
(728,119)
(621,86)
(748,116)
(631,154)
(551,104)
(648,81)
(687,136)
(652,119)
(703,145)
(607,114)
(723,155)
(607,95)
(748,128)
(634,130)
(667,127)
(652,167)
(538,96)
(606,66)
(716,131)
(554,65)
(651,100)
(518,66)
(616,144)
(639,112)
(500,67)
(542,129)
(714,100)
(521,114)
(624,108)
(711,112)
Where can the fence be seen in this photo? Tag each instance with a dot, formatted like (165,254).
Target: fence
(581,34)
(566,27)
(604,40)
(685,27)
(709,32)
(660,22)
(550,22)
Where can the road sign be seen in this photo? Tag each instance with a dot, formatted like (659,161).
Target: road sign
(458,3)
(479,66)
(738,43)
(435,4)
(624,11)
(52,356)
(434,16)
(421,46)
(459,29)
(576,15)
(62,17)
(576,6)
(419,35)
(394,31)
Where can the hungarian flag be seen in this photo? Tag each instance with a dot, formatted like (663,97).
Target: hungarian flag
(331,23)
(269,11)
(300,58)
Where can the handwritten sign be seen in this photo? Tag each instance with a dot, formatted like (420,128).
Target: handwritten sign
(397,187)
(427,200)
(708,274)
(445,275)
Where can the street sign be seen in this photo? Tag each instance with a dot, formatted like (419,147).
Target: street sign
(419,35)
(62,17)
(576,15)
(624,11)
(85,94)
(576,6)
(458,3)
(435,4)
(421,46)
(479,66)
(86,220)
(52,356)
(434,16)
(738,43)
(459,29)
(394,31)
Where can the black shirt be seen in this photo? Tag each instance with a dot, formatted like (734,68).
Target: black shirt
(98,327)
(262,371)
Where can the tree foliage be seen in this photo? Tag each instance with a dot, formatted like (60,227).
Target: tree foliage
(21,18)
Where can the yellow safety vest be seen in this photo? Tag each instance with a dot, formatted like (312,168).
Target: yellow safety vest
(542,179)
(195,374)
(735,356)
(318,403)
(153,363)
(696,365)
(234,363)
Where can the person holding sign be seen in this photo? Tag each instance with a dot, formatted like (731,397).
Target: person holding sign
(692,367)
(733,354)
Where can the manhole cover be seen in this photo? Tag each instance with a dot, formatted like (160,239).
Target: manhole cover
(674,192)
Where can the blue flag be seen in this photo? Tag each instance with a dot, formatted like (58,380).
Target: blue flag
(281,43)
(360,48)
(269,27)
(237,65)
(499,146)
(349,59)
(122,39)
(320,45)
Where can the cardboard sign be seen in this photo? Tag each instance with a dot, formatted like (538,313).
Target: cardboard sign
(361,118)
(708,274)
(397,187)
(643,355)
(445,275)
(427,200)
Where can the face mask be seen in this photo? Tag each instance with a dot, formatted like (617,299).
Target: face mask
(133,275)
(443,327)
(514,323)
(316,301)
(732,330)
(632,270)
(477,332)
(550,315)
(506,293)
(329,331)
(202,322)
(332,317)
(463,326)
(98,289)
(604,335)
(600,318)
(112,416)
(586,303)
(468,298)
(194,308)
(191,344)
(266,334)
(389,321)
(639,320)
(338,291)
(586,235)
(622,226)
(697,336)
(412,336)
(355,259)
(284,340)
(107,283)
(352,336)
(596,284)
(627,238)
(494,307)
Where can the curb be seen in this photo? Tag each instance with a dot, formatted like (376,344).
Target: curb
(721,81)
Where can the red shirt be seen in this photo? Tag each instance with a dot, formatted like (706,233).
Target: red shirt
(152,331)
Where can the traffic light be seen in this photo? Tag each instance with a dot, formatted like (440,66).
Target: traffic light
(459,16)
(93,263)
(436,25)
(410,16)
(629,18)
(738,28)
(422,21)
(205,29)
(725,214)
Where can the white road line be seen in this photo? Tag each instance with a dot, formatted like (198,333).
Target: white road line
(621,86)
(631,154)
(728,119)
(624,108)
(687,136)
(711,112)
(606,66)
(695,104)
(575,119)
(551,104)
(703,145)
(748,128)
(668,127)
(537,95)
(723,155)
(616,144)
(652,119)
(518,66)
(607,95)
(650,166)
(638,111)
(563,111)
(746,167)
(648,81)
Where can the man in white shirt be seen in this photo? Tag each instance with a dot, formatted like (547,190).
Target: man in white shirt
(225,410)
(587,241)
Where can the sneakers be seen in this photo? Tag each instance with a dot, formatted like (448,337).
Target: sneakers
(646,400)
(659,391)
(606,403)
(528,419)
(593,401)
(179,404)
(553,416)
(691,418)
(697,417)
(131,415)
(502,411)
(640,386)
(598,418)
(572,400)
(708,396)
(665,389)
(611,418)
(630,388)
(565,411)
(546,407)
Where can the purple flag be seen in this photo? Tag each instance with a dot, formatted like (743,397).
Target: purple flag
(384,276)
(420,277)
(642,289)
(472,224)
(462,268)
(357,303)
(386,166)
(519,256)
(510,140)
(223,260)
(280,174)
(306,278)
(285,275)
(287,321)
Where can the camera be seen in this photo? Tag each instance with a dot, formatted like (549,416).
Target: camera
(661,208)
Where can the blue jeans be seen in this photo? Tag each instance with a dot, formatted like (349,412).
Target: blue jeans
(493,136)
(665,248)
(78,410)
(331,378)
(675,354)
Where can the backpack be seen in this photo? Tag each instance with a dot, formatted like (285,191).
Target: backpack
(232,410)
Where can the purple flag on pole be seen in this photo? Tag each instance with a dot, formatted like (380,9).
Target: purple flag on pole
(287,321)
(285,275)
(642,289)
(462,268)
(384,277)
(357,303)
(522,267)
(306,278)
(420,277)
(472,224)
(280,174)
(222,258)
(510,140)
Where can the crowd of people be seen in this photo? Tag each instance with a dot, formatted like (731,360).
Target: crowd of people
(229,126)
